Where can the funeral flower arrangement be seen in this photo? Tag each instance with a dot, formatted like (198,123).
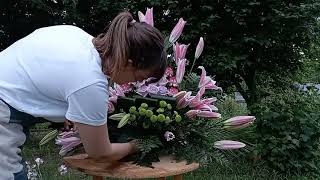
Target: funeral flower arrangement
(173,116)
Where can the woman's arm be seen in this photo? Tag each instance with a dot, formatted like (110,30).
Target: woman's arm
(97,144)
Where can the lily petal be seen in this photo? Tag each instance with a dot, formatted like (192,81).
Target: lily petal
(227,144)
(192,113)
(181,70)
(149,16)
(209,114)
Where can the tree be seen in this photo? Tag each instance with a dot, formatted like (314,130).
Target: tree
(247,41)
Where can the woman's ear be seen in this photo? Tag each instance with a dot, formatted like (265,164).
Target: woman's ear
(130,61)
(129,66)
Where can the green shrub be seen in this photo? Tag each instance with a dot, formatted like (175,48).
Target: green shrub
(288,131)
(228,108)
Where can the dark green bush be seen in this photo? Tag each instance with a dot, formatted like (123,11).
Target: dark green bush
(243,38)
(288,130)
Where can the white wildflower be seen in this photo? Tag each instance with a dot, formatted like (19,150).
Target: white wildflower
(39,161)
(169,136)
(63,169)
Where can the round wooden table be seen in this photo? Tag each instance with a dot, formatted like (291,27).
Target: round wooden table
(99,169)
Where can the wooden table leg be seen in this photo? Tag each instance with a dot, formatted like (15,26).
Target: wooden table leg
(178,177)
(97,178)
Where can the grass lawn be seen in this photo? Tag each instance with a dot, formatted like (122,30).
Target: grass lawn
(240,169)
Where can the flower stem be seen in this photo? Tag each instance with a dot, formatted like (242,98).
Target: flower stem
(192,66)
(40,175)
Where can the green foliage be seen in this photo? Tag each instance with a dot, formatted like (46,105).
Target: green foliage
(288,130)
(230,108)
(309,73)
(243,38)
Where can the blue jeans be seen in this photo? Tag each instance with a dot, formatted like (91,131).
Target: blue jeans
(22,175)
(14,129)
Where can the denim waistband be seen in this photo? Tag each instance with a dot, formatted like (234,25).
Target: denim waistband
(25,119)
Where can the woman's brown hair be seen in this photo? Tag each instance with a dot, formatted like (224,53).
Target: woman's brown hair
(126,39)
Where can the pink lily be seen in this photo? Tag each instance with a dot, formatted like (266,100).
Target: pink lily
(180,70)
(209,114)
(199,48)
(67,134)
(185,101)
(173,81)
(206,81)
(213,107)
(113,99)
(180,51)
(227,144)
(192,113)
(169,71)
(112,92)
(209,100)
(205,107)
(110,107)
(67,144)
(126,87)
(177,31)
(196,101)
(172,91)
(239,122)
(116,91)
(148,17)
(180,95)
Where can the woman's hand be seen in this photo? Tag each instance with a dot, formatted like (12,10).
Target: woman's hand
(95,140)
(134,147)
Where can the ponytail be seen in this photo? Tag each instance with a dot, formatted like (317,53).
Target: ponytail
(114,45)
(126,39)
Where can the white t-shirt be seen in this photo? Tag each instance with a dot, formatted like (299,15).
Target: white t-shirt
(55,73)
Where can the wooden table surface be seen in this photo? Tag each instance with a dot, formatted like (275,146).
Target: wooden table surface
(165,168)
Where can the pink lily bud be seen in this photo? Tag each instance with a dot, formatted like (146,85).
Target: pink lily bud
(177,31)
(180,70)
(227,144)
(192,113)
(199,48)
(180,51)
(180,95)
(209,114)
(110,107)
(239,122)
(148,17)
(185,101)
